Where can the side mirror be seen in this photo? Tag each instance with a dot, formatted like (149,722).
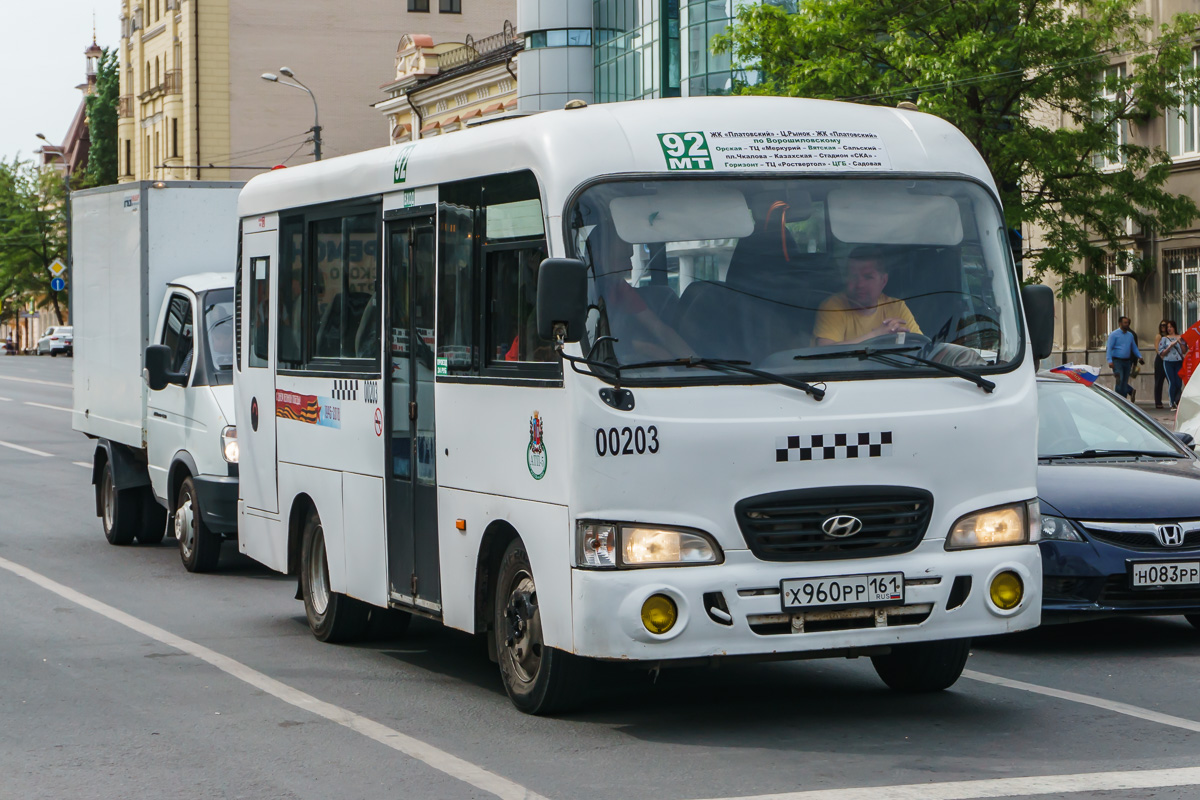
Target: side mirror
(562,297)
(1039,314)
(1186,440)
(158,374)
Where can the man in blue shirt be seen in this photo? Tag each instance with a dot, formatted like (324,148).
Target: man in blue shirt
(1121,350)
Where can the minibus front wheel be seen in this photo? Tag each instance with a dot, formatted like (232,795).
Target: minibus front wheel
(538,679)
(923,666)
(332,617)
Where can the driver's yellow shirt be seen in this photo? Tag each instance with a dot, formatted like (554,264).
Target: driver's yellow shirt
(838,321)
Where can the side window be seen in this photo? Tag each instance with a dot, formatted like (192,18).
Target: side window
(290,313)
(260,311)
(492,244)
(177,333)
(344,305)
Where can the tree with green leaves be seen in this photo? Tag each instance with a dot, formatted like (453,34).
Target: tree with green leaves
(1030,84)
(101,106)
(32,235)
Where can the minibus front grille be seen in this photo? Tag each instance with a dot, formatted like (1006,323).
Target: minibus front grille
(787,526)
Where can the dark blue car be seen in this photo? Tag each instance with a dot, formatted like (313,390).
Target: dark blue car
(1120,498)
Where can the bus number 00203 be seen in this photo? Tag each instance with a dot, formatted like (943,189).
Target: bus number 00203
(627,441)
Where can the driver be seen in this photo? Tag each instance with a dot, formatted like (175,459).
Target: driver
(863,311)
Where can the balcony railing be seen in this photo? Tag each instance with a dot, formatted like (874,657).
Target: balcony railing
(125,106)
(475,50)
(173,83)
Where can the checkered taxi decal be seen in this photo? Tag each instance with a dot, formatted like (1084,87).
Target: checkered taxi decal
(345,390)
(833,446)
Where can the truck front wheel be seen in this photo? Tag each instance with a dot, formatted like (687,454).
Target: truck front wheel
(119,509)
(199,548)
(923,666)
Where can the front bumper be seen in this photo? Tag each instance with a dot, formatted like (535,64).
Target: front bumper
(1086,580)
(607,605)
(218,502)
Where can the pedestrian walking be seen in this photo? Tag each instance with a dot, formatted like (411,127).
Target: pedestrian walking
(1173,348)
(1160,373)
(1122,351)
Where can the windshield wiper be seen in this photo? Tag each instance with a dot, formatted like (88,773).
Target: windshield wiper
(1094,453)
(888,355)
(817,393)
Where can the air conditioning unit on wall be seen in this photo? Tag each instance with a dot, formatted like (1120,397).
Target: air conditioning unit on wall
(1131,260)
(1132,228)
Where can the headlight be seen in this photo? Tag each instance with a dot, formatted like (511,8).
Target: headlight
(609,545)
(229,444)
(1057,529)
(1017,523)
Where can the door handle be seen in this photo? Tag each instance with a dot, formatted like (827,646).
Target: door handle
(160,416)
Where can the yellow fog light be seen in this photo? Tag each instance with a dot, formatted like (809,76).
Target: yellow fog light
(659,613)
(1007,590)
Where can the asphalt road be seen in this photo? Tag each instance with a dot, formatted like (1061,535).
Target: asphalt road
(122,676)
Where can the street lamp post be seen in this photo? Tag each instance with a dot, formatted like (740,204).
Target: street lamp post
(316,128)
(62,151)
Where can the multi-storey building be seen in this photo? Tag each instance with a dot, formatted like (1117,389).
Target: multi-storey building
(193,103)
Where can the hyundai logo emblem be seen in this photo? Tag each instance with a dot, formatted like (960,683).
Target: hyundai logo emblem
(1169,535)
(841,526)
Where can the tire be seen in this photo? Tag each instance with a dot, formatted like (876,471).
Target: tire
(119,511)
(538,679)
(153,527)
(332,617)
(53,354)
(1194,619)
(924,666)
(199,548)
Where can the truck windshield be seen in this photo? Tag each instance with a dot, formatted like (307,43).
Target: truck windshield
(218,330)
(797,276)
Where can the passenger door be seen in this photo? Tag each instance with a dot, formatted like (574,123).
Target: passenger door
(413,560)
(255,388)
(167,410)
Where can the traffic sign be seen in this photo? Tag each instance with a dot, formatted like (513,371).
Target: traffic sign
(58,284)
(57,268)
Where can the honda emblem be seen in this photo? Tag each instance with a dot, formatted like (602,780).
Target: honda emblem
(1169,535)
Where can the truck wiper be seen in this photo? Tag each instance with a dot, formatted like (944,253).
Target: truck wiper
(888,356)
(743,367)
(1100,453)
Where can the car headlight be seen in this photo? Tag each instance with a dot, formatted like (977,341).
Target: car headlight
(1057,529)
(229,444)
(612,545)
(1016,523)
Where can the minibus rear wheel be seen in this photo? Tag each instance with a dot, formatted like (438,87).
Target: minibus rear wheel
(923,666)
(332,617)
(538,679)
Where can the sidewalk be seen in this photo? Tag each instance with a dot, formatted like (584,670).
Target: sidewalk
(1164,415)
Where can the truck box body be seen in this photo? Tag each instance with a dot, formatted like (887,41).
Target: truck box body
(128,242)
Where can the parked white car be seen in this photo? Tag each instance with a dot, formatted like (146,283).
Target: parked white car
(58,339)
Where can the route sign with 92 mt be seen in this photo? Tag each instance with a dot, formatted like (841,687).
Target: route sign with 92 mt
(686,151)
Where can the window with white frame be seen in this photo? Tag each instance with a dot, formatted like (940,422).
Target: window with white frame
(1182,297)
(1102,319)
(1182,137)
(1111,94)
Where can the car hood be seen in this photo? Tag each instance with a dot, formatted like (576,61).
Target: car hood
(1124,490)
(224,397)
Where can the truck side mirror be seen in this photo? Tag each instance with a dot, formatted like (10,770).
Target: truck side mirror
(1039,314)
(158,374)
(562,297)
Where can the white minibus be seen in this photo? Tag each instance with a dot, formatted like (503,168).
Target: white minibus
(666,382)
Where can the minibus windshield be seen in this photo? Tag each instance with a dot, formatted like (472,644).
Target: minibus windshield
(796,276)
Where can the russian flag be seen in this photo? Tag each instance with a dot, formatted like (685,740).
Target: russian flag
(1080,373)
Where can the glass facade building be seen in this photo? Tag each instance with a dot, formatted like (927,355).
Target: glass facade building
(706,72)
(636,49)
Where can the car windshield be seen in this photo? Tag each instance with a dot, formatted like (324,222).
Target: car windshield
(796,276)
(218,328)
(1077,420)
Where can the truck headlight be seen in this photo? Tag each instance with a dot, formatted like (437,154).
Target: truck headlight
(229,444)
(1016,523)
(611,545)
(1057,529)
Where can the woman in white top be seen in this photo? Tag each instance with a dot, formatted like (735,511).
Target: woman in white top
(1172,348)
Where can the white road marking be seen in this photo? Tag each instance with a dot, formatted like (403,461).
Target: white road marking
(29,450)
(1087,700)
(35,380)
(47,405)
(440,760)
(83,464)
(5,399)
(1003,787)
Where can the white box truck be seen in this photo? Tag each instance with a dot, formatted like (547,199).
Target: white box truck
(153,310)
